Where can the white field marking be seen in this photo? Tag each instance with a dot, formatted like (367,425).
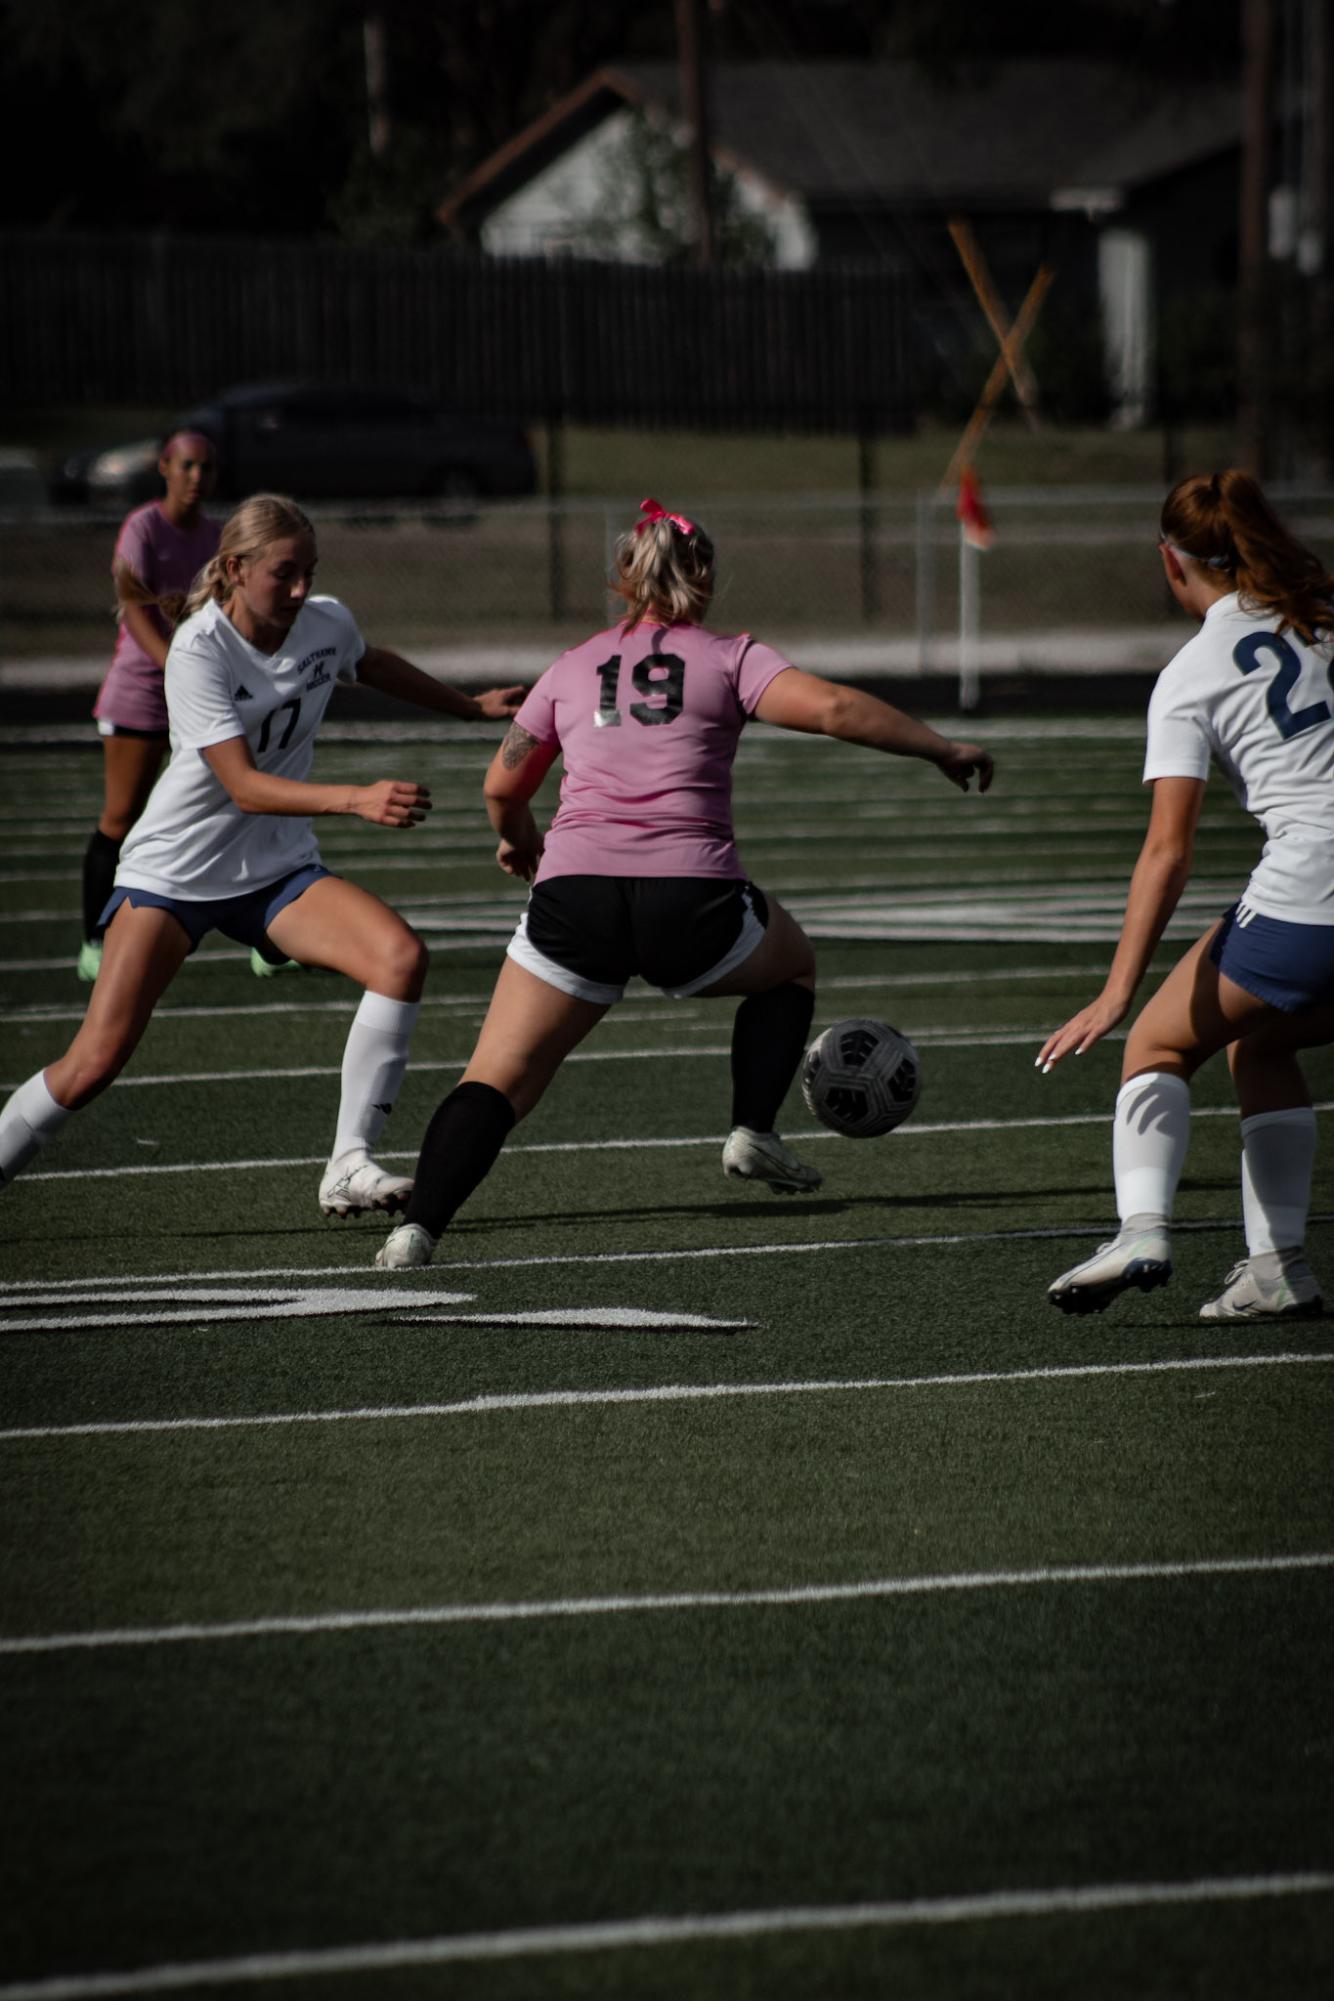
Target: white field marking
(284,1274)
(933,1038)
(919,1130)
(1040,889)
(881,981)
(485,1406)
(810,1247)
(695,1928)
(310,1303)
(931,1585)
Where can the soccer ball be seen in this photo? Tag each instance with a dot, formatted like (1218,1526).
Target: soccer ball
(861,1078)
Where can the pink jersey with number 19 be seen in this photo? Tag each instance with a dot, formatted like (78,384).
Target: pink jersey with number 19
(648,722)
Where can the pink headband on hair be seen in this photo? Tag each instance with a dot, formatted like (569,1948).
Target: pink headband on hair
(653,510)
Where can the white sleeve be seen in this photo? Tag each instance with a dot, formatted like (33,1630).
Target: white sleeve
(1178,744)
(351,644)
(200,700)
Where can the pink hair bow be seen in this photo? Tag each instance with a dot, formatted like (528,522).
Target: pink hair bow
(653,510)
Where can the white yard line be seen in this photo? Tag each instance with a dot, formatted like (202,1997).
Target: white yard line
(501,1611)
(921,1129)
(526,1400)
(929,1038)
(881,980)
(694,1928)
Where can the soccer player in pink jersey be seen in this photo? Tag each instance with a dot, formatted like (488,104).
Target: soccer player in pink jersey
(160,550)
(639,871)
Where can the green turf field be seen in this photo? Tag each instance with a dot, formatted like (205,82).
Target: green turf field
(675,1591)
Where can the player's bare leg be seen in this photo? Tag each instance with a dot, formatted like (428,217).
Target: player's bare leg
(1196,1012)
(337,925)
(130,767)
(530,1029)
(144,951)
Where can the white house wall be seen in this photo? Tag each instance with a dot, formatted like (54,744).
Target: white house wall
(566,208)
(1125,281)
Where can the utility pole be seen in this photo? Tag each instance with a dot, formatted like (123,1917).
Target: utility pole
(1253,234)
(376,55)
(690,52)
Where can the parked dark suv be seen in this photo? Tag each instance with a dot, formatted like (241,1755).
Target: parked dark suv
(344,442)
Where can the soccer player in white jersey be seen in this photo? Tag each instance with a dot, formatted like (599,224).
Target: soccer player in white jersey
(639,871)
(1253,691)
(225,842)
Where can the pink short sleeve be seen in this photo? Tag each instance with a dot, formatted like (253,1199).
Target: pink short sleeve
(537,711)
(134,546)
(756,668)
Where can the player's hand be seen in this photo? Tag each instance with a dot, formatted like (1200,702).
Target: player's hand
(1081,1031)
(965,759)
(394,802)
(497,703)
(520,858)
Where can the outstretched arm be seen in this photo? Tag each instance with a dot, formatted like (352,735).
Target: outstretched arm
(797,701)
(517,769)
(393,802)
(1161,873)
(390,674)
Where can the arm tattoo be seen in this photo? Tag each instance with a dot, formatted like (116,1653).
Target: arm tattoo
(516,746)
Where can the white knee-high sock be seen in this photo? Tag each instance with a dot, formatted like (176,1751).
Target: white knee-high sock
(30,1118)
(373,1064)
(1149,1136)
(1277,1161)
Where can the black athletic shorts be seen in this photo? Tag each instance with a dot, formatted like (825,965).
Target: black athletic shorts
(588,934)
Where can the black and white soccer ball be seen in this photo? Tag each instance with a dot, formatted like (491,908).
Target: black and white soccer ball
(861,1078)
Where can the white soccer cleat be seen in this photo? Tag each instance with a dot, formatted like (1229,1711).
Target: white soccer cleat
(1290,1293)
(752,1156)
(1141,1258)
(405,1248)
(356,1186)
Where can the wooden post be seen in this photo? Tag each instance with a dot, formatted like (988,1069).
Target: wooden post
(867,520)
(555,518)
(694,107)
(1253,243)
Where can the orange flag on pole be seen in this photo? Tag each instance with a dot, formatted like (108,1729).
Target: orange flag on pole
(972,513)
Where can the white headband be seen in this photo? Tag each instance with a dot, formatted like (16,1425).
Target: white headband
(1208,562)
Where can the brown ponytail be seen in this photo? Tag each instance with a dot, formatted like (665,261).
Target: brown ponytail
(1223,521)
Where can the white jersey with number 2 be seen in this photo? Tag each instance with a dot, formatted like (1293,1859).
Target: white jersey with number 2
(1261,703)
(192,840)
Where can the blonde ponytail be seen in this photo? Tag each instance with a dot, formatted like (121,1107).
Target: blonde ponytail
(664,568)
(255,526)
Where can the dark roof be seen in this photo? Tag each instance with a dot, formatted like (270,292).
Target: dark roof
(1014,135)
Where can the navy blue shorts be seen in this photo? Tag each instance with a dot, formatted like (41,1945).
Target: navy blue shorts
(245,918)
(1289,965)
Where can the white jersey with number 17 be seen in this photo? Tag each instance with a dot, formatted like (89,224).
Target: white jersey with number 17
(192,840)
(1260,703)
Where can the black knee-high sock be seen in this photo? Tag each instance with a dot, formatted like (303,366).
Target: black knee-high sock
(768,1042)
(467,1131)
(99,879)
